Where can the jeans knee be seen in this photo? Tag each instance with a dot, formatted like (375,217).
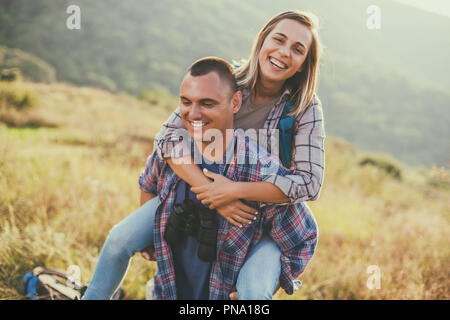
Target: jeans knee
(117,242)
(254,283)
(254,291)
(254,287)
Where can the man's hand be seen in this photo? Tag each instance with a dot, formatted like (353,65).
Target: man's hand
(146,196)
(149,253)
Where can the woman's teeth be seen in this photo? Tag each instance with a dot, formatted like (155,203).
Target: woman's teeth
(277,64)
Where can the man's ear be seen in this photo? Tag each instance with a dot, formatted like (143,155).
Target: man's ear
(236,101)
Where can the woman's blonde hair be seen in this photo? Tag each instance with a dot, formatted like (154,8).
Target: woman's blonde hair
(302,84)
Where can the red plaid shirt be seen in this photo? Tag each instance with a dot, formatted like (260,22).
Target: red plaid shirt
(292,226)
(304,183)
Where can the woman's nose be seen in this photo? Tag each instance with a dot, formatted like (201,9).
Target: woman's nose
(284,50)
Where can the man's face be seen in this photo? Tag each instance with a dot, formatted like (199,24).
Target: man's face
(206,102)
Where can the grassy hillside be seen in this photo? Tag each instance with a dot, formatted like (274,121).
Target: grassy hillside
(69,177)
(32,67)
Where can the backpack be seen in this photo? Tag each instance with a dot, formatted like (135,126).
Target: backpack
(52,284)
(285,125)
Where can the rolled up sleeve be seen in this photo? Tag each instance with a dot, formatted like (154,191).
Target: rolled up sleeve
(295,231)
(306,181)
(148,180)
(168,142)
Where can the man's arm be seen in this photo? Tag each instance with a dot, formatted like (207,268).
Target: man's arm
(148,180)
(148,183)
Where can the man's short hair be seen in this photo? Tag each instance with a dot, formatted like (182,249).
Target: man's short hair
(222,67)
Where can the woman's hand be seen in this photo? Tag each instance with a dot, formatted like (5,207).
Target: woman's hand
(237,213)
(221,195)
(218,193)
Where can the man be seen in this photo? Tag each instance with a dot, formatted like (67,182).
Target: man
(208,101)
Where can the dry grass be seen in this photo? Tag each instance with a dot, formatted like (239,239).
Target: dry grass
(63,188)
(366,217)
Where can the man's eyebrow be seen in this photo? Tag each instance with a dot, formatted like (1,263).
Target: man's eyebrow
(285,36)
(209,100)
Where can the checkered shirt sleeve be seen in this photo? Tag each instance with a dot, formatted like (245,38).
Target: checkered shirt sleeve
(148,180)
(308,157)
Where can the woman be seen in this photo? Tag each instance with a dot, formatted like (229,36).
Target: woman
(283,66)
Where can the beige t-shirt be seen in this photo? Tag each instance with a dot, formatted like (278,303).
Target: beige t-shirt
(253,116)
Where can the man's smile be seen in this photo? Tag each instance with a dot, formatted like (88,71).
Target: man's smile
(197,124)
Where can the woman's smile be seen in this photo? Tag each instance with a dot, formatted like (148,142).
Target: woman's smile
(279,65)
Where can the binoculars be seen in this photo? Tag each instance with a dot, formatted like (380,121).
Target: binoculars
(198,222)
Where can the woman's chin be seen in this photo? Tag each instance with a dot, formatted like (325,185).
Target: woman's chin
(274,75)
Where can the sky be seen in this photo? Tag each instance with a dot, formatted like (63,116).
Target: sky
(441,7)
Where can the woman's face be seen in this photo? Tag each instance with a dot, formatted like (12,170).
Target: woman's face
(284,50)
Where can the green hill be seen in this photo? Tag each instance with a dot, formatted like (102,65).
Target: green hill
(383,90)
(31,67)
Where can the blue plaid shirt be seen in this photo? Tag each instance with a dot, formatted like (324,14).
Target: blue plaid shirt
(292,226)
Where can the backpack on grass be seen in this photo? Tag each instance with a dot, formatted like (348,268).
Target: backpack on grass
(52,284)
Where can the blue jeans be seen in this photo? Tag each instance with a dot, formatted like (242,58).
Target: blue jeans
(131,235)
(135,232)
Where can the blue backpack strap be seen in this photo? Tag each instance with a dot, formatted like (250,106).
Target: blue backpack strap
(285,126)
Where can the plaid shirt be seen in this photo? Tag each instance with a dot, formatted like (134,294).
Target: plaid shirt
(291,226)
(308,156)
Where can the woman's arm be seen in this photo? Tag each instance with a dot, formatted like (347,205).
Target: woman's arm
(261,192)
(224,190)
(187,170)
(306,181)
(302,183)
(250,191)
